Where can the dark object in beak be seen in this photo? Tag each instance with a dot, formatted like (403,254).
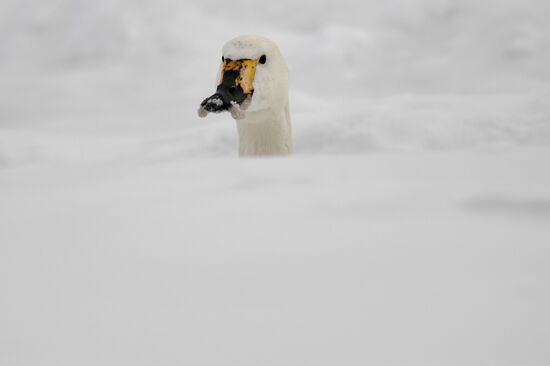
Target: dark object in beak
(227,93)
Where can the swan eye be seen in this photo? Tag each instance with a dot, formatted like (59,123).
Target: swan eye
(223,59)
(263,59)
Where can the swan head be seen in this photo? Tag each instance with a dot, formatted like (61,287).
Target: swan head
(253,77)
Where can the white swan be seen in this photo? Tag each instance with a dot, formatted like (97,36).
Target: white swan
(253,87)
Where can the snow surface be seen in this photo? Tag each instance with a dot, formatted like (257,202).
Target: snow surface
(411,227)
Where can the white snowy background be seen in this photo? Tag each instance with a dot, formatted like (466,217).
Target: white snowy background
(411,227)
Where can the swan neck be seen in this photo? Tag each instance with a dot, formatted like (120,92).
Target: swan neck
(265,132)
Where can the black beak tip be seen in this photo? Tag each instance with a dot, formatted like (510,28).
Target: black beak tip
(214,104)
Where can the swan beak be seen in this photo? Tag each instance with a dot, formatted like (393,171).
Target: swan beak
(234,93)
(245,69)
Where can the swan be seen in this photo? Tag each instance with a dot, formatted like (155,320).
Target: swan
(252,85)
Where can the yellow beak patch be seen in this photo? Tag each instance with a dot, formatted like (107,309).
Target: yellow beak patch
(246,69)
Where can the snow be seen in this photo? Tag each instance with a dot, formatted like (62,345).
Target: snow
(217,101)
(411,227)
